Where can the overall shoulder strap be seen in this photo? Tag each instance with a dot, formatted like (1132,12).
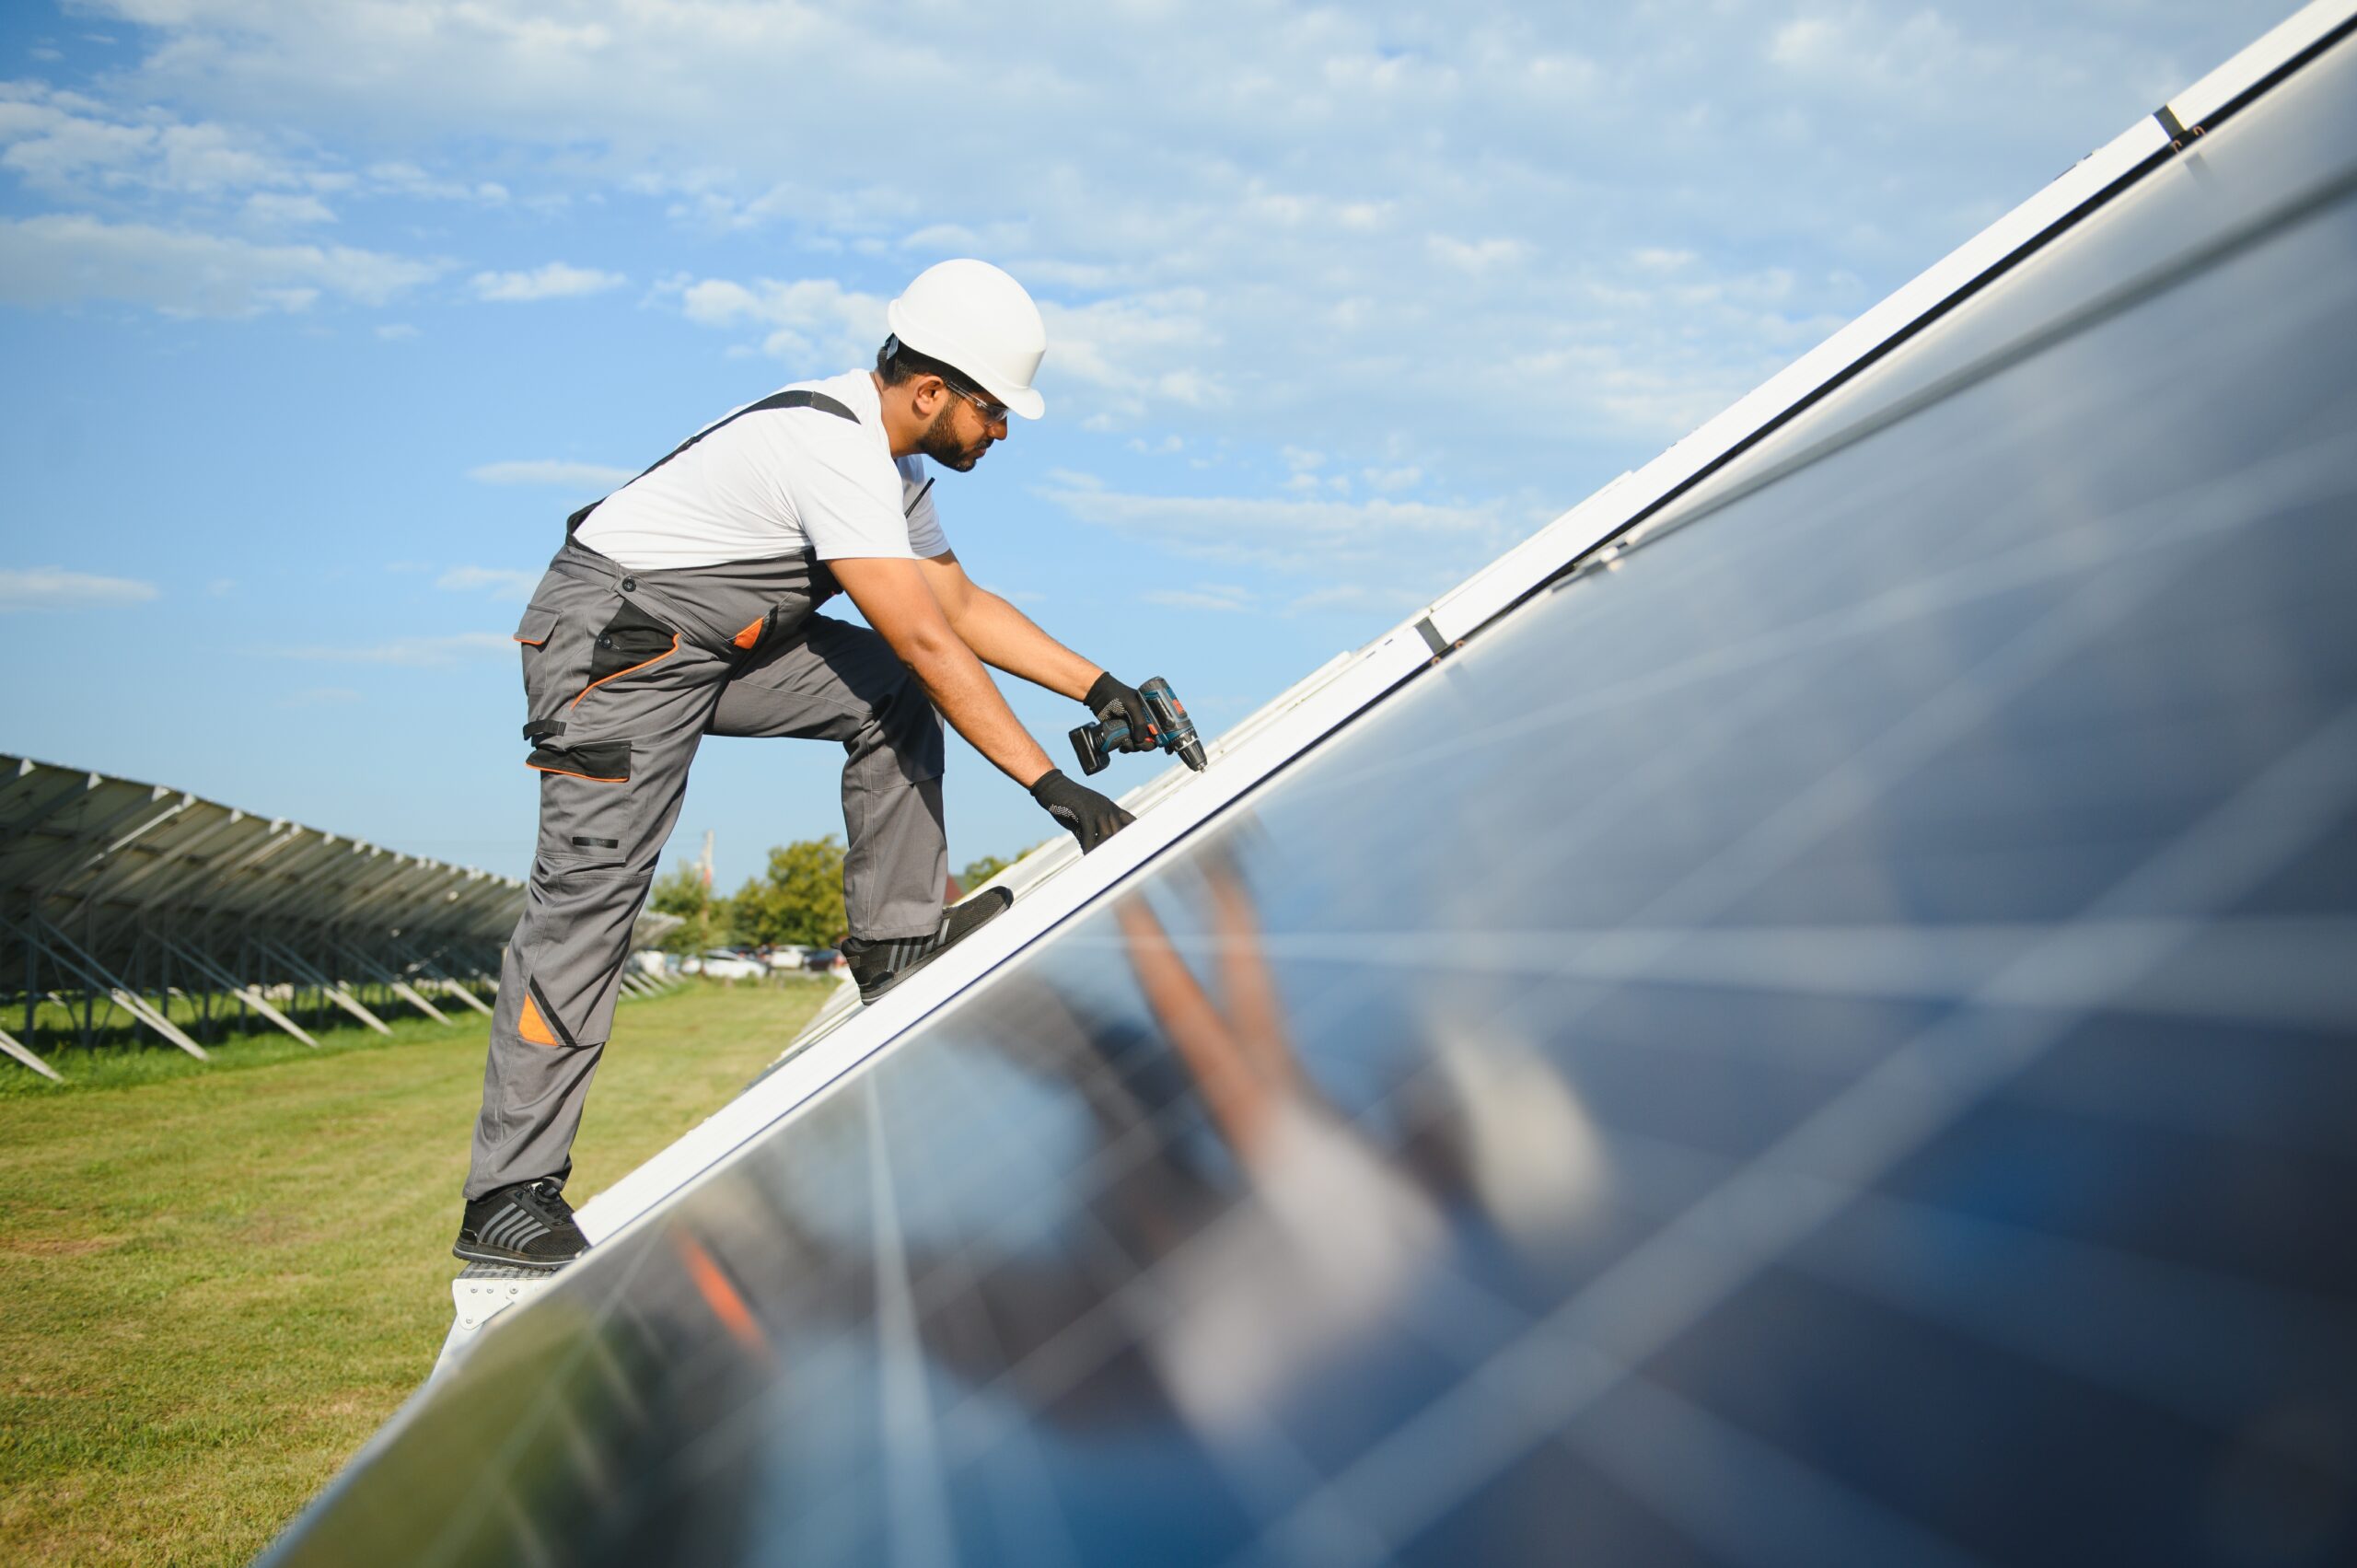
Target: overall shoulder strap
(798,396)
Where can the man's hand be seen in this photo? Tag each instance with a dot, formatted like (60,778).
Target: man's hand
(1091,817)
(1108,699)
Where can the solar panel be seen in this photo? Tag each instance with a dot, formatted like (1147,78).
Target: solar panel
(1822,1037)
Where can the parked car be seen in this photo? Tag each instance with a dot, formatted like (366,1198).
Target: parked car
(787,956)
(818,960)
(722,964)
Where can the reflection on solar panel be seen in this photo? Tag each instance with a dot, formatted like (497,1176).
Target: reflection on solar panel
(1822,1037)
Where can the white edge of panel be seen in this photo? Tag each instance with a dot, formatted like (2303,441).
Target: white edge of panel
(1459,614)
(1059,854)
(2302,30)
(1330,696)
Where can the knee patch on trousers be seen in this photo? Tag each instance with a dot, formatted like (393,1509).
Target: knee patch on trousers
(564,963)
(541,1024)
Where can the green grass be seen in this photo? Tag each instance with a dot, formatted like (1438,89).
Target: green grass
(125,1058)
(214,1285)
(125,1050)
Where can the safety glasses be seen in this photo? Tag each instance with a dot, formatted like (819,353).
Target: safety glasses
(991,413)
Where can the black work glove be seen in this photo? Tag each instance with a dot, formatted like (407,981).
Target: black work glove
(1108,699)
(1091,817)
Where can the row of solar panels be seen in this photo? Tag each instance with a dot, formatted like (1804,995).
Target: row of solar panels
(1800,1018)
(124,891)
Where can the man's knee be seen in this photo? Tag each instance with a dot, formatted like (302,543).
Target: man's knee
(906,723)
(564,963)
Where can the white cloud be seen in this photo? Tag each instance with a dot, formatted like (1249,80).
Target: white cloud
(1373,542)
(1539,244)
(63,259)
(207,158)
(1136,352)
(395,331)
(1203,596)
(554,472)
(554,281)
(51,144)
(1385,599)
(813,321)
(1476,255)
(502,582)
(54,587)
(1867,49)
(409,180)
(277,209)
(410,653)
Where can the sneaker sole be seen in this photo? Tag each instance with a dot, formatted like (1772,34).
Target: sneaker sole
(476,1252)
(1004,902)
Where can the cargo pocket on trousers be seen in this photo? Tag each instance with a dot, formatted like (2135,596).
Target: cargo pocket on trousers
(599,762)
(534,629)
(557,658)
(631,641)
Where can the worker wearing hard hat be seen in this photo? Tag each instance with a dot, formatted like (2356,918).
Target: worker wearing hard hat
(684,605)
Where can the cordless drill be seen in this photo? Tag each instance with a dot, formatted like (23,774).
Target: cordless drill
(1173,731)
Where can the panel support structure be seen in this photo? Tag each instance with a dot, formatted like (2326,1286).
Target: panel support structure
(8,1043)
(249,994)
(336,991)
(64,951)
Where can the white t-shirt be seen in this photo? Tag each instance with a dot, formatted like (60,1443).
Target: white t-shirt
(776,482)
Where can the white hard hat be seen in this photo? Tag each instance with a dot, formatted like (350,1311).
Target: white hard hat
(970,315)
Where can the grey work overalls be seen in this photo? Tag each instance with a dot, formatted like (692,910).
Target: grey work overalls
(624,672)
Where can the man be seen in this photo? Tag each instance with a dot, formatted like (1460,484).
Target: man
(684,605)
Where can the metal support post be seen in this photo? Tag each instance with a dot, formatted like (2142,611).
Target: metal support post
(249,994)
(387,978)
(63,952)
(8,1043)
(334,990)
(451,987)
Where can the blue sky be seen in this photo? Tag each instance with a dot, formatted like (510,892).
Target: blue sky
(320,317)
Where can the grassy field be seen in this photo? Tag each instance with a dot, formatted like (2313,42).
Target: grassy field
(216,1283)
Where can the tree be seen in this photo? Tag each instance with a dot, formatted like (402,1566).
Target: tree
(978,872)
(799,898)
(703,920)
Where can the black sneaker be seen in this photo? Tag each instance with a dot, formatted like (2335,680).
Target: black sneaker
(529,1225)
(878,966)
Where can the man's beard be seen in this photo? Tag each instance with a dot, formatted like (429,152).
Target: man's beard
(942,446)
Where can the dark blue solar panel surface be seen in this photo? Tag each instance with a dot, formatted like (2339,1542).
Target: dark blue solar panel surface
(1827,1041)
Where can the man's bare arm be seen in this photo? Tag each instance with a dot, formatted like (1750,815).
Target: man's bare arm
(900,603)
(1002,636)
